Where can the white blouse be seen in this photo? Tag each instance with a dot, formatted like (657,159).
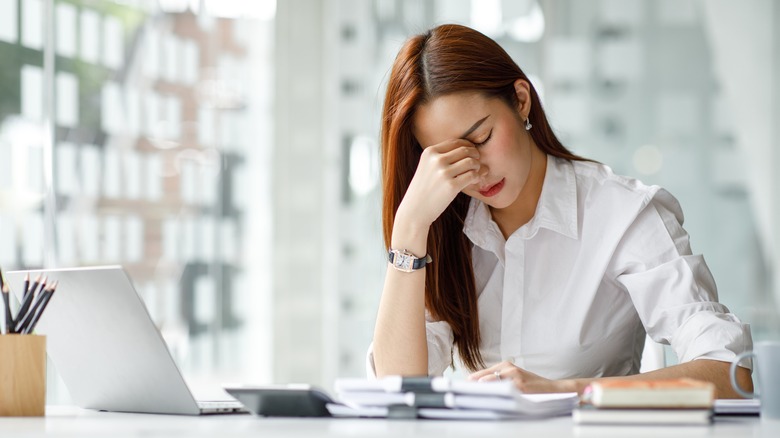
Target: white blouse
(572,292)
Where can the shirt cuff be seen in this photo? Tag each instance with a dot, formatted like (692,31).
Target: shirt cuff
(712,335)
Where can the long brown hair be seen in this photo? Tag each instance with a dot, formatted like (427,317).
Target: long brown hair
(448,59)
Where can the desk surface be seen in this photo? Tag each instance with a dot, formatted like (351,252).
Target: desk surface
(74,422)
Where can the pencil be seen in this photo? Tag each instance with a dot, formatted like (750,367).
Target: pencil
(21,316)
(9,320)
(26,284)
(25,320)
(45,301)
(29,294)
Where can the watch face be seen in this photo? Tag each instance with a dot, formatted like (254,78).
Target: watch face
(403,261)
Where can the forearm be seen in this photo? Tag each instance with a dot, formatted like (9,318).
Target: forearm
(713,371)
(400,344)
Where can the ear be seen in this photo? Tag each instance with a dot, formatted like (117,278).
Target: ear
(523,92)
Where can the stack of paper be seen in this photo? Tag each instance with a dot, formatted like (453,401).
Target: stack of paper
(672,401)
(443,398)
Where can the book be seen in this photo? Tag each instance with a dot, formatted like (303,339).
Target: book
(668,393)
(589,414)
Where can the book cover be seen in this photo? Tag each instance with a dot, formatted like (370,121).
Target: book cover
(669,393)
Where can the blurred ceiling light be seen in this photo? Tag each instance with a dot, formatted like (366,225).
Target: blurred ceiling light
(648,159)
(527,27)
(255,9)
(522,20)
(22,135)
(19,130)
(486,17)
(363,165)
(18,201)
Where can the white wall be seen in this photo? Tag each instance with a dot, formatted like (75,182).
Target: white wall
(745,40)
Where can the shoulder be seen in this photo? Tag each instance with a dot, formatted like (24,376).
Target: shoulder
(598,187)
(596,176)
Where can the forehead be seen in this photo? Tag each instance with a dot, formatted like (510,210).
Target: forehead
(450,116)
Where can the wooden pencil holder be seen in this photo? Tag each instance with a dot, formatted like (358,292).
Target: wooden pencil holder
(22,375)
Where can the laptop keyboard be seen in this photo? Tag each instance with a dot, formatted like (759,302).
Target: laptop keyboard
(221,406)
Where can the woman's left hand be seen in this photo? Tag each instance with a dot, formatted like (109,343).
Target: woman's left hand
(525,381)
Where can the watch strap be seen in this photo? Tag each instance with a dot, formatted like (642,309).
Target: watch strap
(420,263)
(417,262)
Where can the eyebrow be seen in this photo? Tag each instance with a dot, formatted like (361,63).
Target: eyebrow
(474,127)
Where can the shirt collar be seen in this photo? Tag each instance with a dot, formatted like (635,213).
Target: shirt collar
(556,210)
(479,226)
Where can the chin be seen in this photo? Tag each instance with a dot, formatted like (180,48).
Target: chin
(498,202)
(506,198)
(497,205)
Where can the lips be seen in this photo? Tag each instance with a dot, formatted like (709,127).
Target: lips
(492,190)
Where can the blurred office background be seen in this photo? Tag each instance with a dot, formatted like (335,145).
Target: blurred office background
(226,152)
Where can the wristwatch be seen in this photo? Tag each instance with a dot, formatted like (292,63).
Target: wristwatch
(405,261)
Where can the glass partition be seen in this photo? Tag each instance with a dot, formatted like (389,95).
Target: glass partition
(156,111)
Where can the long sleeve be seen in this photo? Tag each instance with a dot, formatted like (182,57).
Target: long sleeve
(673,291)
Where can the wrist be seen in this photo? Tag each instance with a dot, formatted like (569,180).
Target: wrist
(411,220)
(575,385)
(410,236)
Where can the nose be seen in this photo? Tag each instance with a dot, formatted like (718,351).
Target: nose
(483,173)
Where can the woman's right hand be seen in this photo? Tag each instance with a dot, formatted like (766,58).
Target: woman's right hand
(444,170)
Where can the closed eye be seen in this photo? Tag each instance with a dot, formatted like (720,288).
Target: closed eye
(485,140)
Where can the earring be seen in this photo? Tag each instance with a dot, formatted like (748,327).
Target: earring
(528,124)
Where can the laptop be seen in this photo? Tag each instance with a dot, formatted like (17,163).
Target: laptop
(107,349)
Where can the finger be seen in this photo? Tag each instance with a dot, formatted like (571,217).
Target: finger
(466,179)
(492,377)
(472,176)
(504,372)
(443,160)
(460,153)
(463,166)
(486,372)
(449,146)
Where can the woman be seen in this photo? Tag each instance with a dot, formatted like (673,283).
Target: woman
(514,256)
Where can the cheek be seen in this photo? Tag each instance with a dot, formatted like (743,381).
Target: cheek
(501,152)
(507,157)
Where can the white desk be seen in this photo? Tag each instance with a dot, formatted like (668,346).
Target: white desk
(74,422)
